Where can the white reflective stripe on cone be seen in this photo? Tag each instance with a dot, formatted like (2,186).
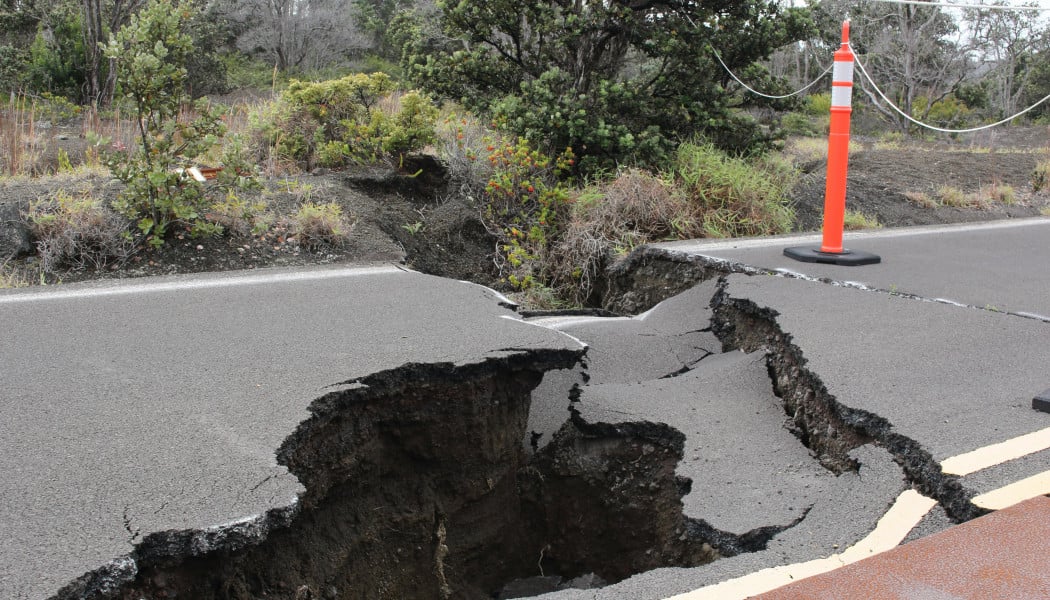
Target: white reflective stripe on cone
(843,71)
(841,96)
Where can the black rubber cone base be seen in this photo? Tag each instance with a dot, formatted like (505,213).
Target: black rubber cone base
(1042,402)
(846,258)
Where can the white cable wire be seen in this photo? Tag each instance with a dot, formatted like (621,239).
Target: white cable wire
(977,6)
(758,93)
(927,126)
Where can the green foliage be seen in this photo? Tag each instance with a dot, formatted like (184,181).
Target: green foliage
(731,197)
(56,59)
(617,81)
(151,53)
(12,65)
(77,231)
(818,105)
(238,216)
(357,118)
(946,112)
(375,17)
(319,225)
(245,72)
(794,123)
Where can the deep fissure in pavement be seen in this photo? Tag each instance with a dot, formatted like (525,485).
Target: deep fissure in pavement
(418,486)
(827,427)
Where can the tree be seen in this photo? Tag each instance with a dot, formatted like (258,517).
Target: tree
(150,54)
(374,17)
(102,18)
(617,80)
(914,53)
(296,35)
(1004,42)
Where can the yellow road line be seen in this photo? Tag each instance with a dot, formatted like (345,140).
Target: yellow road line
(899,520)
(909,508)
(996,454)
(1019,491)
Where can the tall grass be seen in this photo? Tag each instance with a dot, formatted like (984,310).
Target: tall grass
(34,145)
(731,197)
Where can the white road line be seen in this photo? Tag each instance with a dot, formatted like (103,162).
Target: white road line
(192,283)
(1019,491)
(996,454)
(701,246)
(909,508)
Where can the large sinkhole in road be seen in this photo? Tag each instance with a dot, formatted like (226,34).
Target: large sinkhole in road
(420,482)
(419,486)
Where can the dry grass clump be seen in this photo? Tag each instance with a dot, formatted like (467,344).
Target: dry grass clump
(635,208)
(952,196)
(856,220)
(78,231)
(320,225)
(921,199)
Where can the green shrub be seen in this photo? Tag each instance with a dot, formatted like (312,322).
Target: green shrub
(357,118)
(527,203)
(794,123)
(946,112)
(818,105)
(77,231)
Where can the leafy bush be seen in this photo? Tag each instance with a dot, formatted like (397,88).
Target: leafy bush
(946,112)
(818,105)
(77,231)
(320,225)
(463,142)
(794,123)
(151,53)
(357,118)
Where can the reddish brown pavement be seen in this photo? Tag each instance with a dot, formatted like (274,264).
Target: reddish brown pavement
(1000,556)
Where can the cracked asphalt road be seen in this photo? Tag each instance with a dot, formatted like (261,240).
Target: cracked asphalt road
(165,413)
(142,407)
(946,340)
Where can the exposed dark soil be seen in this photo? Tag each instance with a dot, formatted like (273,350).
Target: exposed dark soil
(417,221)
(881,173)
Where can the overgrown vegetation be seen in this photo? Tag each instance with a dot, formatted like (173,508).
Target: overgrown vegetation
(320,225)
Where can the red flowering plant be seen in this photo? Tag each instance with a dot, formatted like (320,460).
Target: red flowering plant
(526,205)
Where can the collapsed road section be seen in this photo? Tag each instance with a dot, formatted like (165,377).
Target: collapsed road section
(147,425)
(371,433)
